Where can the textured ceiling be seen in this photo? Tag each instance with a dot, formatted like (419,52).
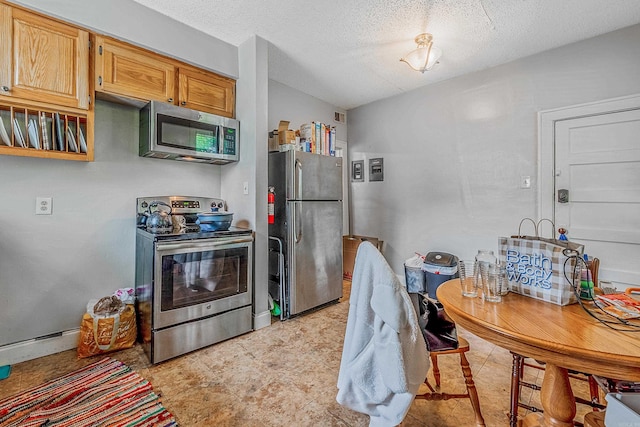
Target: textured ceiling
(346,52)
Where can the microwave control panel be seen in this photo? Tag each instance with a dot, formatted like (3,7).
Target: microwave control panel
(228,140)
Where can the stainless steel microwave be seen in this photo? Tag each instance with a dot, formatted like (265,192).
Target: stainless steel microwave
(177,133)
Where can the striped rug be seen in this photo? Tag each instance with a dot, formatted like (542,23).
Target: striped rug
(105,393)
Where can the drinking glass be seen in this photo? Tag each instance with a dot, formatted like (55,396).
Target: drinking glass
(504,281)
(492,286)
(468,281)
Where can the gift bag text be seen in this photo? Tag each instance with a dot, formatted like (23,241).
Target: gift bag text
(529,269)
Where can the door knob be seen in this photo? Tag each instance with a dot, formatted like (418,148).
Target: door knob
(5,88)
(563,196)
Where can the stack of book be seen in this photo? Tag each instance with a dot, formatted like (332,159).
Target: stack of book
(621,306)
(319,138)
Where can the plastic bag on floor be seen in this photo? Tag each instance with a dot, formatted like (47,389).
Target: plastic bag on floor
(108,325)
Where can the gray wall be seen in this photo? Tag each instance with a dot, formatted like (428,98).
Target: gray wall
(51,266)
(454,151)
(286,103)
(251,105)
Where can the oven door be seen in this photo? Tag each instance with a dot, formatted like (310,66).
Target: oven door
(200,278)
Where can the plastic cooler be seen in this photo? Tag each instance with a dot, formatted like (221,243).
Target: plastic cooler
(439,267)
(623,409)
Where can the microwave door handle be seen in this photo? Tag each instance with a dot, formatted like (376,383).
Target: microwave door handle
(219,136)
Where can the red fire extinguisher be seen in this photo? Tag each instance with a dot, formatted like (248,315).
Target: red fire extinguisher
(271,201)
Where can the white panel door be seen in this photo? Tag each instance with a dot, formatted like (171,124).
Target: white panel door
(597,159)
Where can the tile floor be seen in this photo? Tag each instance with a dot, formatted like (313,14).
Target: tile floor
(285,375)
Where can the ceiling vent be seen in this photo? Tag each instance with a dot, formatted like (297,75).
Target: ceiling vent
(339,117)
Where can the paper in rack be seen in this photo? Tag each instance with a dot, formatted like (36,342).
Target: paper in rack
(83,142)
(18,133)
(4,136)
(32,130)
(71,139)
(59,125)
(44,128)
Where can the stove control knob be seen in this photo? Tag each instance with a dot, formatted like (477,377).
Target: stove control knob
(221,205)
(144,205)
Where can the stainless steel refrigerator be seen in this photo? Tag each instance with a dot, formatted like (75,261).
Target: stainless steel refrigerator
(308,222)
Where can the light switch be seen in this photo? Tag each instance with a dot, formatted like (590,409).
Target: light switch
(357,171)
(525,181)
(245,188)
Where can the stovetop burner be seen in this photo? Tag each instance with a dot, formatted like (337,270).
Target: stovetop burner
(184,214)
(194,233)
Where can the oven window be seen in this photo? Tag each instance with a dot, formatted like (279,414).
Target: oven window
(198,277)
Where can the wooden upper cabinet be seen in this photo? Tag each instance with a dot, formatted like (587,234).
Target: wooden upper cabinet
(43,60)
(129,71)
(123,69)
(206,92)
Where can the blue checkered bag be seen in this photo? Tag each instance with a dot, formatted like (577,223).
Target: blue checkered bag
(539,267)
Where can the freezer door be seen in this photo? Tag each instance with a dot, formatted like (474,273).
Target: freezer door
(314,255)
(313,176)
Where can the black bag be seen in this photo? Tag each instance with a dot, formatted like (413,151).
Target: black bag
(438,329)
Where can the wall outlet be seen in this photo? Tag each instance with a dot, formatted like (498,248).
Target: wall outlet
(43,205)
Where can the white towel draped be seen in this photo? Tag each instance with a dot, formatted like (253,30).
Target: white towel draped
(384,358)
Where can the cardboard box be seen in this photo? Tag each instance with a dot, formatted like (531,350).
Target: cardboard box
(285,135)
(273,141)
(350,248)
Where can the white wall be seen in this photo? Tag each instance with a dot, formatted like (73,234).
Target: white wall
(51,266)
(287,103)
(454,151)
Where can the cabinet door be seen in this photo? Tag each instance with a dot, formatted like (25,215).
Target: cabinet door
(123,69)
(43,60)
(206,92)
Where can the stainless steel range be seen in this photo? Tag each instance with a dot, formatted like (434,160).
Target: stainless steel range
(193,288)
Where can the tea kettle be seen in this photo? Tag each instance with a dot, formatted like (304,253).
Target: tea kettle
(159,221)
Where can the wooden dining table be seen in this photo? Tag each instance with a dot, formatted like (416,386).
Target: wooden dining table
(565,337)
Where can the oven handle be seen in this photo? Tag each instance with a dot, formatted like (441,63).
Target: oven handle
(201,245)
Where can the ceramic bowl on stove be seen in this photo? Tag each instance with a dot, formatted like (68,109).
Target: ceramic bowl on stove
(214,221)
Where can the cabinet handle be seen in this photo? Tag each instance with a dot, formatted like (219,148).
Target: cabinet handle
(170,100)
(183,103)
(5,88)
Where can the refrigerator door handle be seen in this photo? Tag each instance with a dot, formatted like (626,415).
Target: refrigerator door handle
(297,228)
(298,180)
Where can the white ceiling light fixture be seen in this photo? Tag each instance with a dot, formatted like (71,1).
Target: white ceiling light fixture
(425,56)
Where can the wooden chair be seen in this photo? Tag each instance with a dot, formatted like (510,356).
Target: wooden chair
(517,383)
(471,394)
(594,419)
(519,364)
